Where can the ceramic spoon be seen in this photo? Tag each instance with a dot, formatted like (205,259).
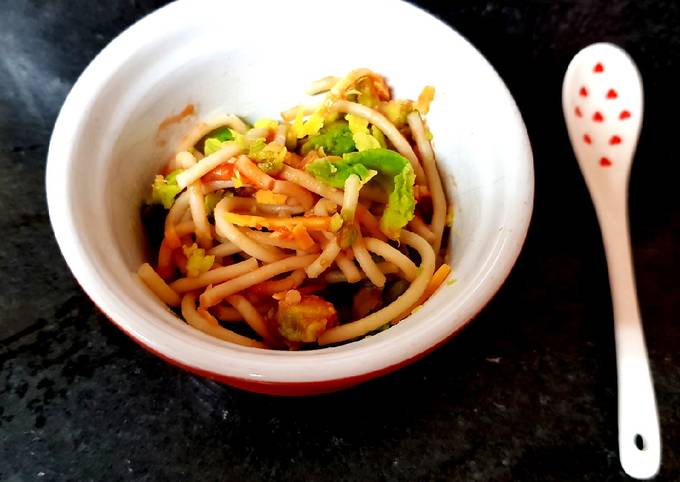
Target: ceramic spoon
(602,102)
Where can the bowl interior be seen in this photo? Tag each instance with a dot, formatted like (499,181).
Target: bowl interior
(107,147)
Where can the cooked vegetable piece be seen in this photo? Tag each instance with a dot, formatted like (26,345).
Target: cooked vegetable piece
(336,139)
(265,123)
(210,200)
(425,99)
(366,300)
(268,157)
(223,172)
(395,172)
(360,133)
(214,140)
(306,320)
(310,127)
(165,189)
(396,111)
(315,223)
(197,261)
(265,196)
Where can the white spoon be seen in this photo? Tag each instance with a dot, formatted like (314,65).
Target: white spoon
(602,102)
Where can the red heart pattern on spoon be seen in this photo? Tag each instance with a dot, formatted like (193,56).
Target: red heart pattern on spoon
(589,92)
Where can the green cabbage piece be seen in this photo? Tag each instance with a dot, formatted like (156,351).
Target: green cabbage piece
(336,173)
(223,134)
(256,145)
(269,157)
(378,134)
(394,173)
(165,189)
(197,261)
(211,146)
(210,200)
(335,139)
(214,140)
(363,140)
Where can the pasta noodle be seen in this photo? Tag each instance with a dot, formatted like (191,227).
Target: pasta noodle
(215,294)
(392,255)
(273,229)
(280,137)
(434,181)
(233,234)
(308,182)
(322,85)
(301,196)
(196,203)
(348,268)
(251,316)
(207,164)
(339,277)
(226,248)
(198,132)
(174,216)
(350,199)
(227,313)
(270,239)
(419,227)
(214,276)
(157,285)
(270,287)
(248,168)
(367,264)
(327,256)
(250,205)
(206,323)
(377,319)
(290,114)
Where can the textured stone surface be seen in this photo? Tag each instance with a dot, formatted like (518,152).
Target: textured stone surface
(526,392)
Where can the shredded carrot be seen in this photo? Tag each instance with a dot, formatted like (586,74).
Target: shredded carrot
(314,223)
(302,238)
(294,160)
(260,178)
(425,99)
(171,238)
(436,281)
(379,87)
(265,196)
(165,261)
(223,172)
(283,235)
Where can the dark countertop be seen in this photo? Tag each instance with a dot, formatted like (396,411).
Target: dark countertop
(526,392)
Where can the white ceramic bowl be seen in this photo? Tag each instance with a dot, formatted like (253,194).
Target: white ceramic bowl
(255,59)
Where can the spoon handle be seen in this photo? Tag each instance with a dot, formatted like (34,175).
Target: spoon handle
(639,439)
